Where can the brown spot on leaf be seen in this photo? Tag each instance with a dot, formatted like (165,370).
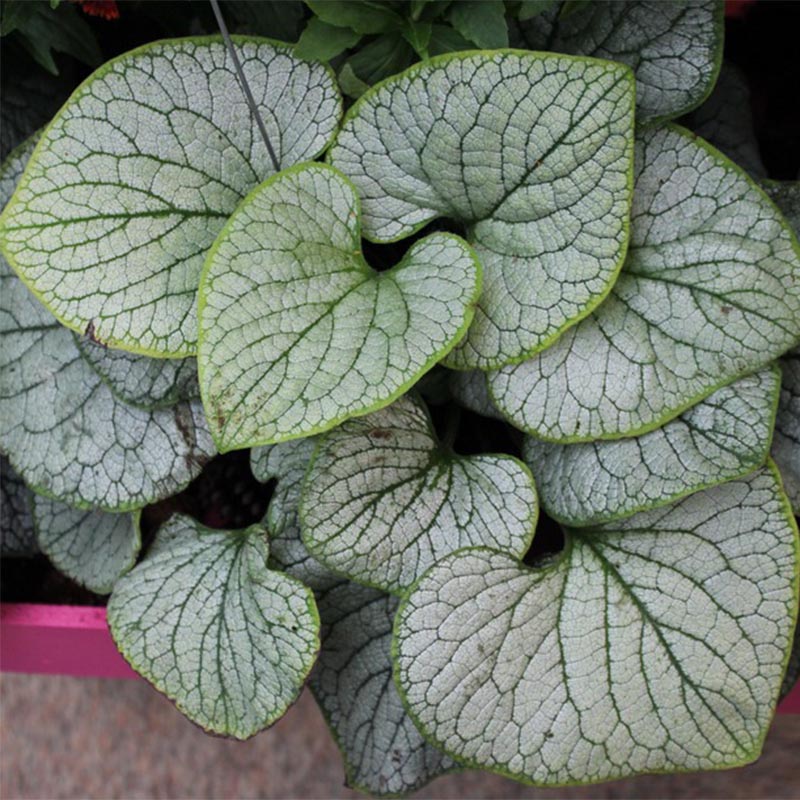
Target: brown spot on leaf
(92,336)
(726,310)
(380,433)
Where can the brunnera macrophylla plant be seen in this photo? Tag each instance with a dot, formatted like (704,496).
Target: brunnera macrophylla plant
(620,296)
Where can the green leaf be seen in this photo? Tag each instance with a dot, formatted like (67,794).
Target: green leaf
(205,621)
(140,381)
(786,441)
(322,42)
(445,40)
(278,19)
(138,172)
(532,153)
(30,98)
(350,83)
(384,754)
(287,465)
(710,291)
(726,121)
(381,58)
(418,35)
(62,428)
(530,8)
(63,30)
(480,21)
(654,644)
(297,333)
(674,49)
(94,548)
(363,16)
(383,499)
(726,436)
(17,534)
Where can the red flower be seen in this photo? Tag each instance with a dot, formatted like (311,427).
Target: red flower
(107,9)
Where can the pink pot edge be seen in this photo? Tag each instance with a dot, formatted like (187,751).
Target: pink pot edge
(75,640)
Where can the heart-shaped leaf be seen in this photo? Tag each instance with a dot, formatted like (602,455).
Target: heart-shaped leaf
(205,621)
(384,754)
(144,382)
(710,291)
(383,499)
(137,173)
(674,49)
(63,429)
(724,437)
(17,533)
(532,153)
(656,643)
(287,464)
(298,333)
(93,548)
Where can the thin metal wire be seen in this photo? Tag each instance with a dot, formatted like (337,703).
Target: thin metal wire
(223,29)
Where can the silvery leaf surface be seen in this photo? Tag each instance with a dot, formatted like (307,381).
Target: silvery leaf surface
(673,48)
(142,381)
(725,436)
(531,153)
(140,169)
(93,548)
(287,464)
(710,292)
(656,643)
(17,534)
(62,428)
(384,753)
(298,332)
(209,625)
(384,499)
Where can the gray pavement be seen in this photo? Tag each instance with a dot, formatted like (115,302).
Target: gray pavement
(90,738)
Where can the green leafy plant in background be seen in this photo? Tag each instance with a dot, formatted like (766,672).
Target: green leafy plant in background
(509,243)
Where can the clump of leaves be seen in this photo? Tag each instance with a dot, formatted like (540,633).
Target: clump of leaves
(513,281)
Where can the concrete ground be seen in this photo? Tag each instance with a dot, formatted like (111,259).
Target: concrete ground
(90,738)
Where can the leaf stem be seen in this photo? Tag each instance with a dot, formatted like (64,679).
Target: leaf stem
(223,29)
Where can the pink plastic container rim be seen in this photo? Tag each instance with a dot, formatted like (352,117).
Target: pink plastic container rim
(59,640)
(75,640)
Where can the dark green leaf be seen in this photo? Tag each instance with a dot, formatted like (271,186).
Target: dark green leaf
(13,14)
(364,16)
(418,35)
(385,56)
(482,22)
(62,30)
(350,83)
(530,8)
(278,19)
(445,40)
(322,42)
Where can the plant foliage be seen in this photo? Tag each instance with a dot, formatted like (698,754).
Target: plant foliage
(504,278)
